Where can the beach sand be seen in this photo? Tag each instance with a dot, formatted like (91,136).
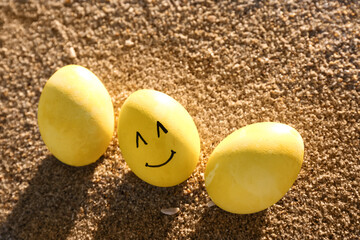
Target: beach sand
(229,64)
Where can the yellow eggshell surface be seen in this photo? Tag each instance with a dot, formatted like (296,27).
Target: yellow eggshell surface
(158,138)
(75,116)
(254,167)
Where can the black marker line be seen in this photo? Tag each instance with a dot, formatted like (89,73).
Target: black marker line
(137,139)
(158,124)
(160,165)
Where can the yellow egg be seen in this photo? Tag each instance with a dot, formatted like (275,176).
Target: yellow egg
(254,167)
(75,116)
(158,138)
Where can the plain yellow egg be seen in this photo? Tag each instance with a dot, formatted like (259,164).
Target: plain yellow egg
(75,116)
(254,167)
(158,138)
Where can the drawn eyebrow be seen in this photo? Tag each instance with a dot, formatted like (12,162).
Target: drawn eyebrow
(159,125)
(137,139)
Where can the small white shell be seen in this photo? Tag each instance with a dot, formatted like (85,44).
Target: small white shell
(72,53)
(129,43)
(170,211)
(210,203)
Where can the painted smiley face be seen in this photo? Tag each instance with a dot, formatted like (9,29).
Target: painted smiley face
(158,138)
(138,136)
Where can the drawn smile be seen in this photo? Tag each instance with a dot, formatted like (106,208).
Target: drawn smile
(160,165)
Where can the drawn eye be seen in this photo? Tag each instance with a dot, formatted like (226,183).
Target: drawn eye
(138,135)
(159,125)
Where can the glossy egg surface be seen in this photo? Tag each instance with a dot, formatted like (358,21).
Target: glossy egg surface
(254,167)
(75,116)
(158,138)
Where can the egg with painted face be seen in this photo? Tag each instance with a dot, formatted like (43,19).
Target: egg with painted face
(254,167)
(75,116)
(158,138)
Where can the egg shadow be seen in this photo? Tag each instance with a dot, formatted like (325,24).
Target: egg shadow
(135,210)
(48,207)
(216,223)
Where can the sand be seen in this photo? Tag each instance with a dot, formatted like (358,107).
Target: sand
(229,64)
